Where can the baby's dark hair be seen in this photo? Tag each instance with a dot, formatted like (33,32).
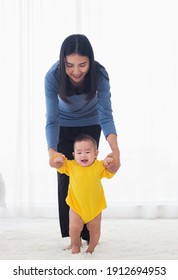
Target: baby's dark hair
(85,137)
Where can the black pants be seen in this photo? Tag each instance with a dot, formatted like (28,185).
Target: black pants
(65,146)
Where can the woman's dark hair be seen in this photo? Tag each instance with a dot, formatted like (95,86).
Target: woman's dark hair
(77,43)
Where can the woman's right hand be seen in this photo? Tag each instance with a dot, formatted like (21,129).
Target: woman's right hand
(55,159)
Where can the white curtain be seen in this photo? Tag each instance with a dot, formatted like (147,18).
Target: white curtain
(137,42)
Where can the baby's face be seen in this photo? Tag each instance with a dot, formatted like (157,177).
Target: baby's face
(85,153)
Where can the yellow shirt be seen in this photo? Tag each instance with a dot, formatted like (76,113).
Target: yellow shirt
(85,195)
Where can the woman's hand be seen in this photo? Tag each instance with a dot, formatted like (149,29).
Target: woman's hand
(112,162)
(56,159)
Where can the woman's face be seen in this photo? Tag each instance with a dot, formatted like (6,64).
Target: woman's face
(77,67)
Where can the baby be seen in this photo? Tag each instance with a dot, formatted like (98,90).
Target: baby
(85,197)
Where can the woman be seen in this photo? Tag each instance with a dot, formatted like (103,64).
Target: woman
(77,93)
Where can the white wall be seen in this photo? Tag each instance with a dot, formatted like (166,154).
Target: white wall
(137,43)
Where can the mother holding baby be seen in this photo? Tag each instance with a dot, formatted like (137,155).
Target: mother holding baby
(78,101)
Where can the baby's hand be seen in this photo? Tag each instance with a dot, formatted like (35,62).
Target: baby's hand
(56,160)
(107,161)
(59,159)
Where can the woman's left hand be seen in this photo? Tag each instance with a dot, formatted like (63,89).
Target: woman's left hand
(112,162)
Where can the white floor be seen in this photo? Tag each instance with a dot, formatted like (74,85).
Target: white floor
(39,239)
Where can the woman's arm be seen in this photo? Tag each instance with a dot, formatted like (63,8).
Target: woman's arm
(52,110)
(107,120)
(114,164)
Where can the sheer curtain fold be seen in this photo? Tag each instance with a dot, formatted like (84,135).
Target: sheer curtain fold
(141,58)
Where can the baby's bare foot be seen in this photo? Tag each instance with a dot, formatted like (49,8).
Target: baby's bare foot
(75,249)
(90,251)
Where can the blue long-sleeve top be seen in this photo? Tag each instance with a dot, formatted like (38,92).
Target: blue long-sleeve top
(79,112)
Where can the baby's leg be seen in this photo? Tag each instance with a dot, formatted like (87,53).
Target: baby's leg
(94,227)
(75,228)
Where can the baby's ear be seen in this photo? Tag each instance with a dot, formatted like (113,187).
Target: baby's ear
(96,153)
(73,154)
